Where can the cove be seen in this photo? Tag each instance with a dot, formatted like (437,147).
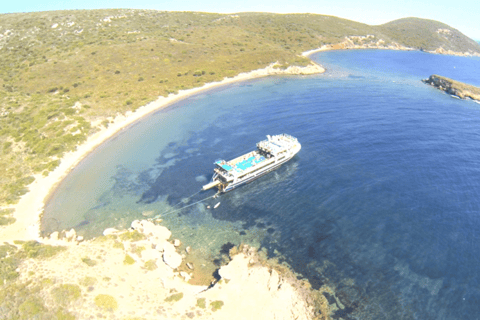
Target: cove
(380,204)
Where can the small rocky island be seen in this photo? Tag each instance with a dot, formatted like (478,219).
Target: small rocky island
(454,88)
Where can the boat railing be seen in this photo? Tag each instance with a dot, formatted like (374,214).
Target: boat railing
(289,137)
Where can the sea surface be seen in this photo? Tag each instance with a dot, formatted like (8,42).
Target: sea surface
(382,203)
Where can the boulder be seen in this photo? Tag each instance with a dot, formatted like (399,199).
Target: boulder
(109,231)
(148,213)
(151,230)
(158,244)
(54,236)
(151,254)
(137,225)
(70,235)
(171,257)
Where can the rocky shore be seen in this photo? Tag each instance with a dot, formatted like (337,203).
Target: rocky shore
(143,273)
(454,88)
(370,42)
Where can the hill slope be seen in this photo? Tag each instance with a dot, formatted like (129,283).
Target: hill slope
(427,35)
(60,71)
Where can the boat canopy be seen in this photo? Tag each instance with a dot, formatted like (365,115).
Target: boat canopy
(223,164)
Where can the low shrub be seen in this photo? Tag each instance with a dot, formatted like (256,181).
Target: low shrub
(174,297)
(106,302)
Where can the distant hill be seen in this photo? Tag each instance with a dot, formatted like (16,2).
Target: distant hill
(428,35)
(63,72)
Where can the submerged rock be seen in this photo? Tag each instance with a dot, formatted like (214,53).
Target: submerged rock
(148,213)
(151,230)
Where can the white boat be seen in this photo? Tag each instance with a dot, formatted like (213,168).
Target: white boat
(270,155)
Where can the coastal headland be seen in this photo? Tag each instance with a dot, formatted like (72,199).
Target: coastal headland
(144,273)
(454,88)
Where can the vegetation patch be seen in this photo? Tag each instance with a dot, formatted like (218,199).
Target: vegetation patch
(138,250)
(132,236)
(7,249)
(64,315)
(88,281)
(34,249)
(24,300)
(89,262)
(66,293)
(118,245)
(216,305)
(201,303)
(106,302)
(128,260)
(8,267)
(5,217)
(102,239)
(31,307)
(174,297)
(150,265)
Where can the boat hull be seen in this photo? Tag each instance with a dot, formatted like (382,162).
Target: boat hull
(274,166)
(270,155)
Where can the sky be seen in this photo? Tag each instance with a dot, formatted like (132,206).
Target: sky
(463,15)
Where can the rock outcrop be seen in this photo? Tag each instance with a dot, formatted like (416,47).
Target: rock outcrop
(143,276)
(454,88)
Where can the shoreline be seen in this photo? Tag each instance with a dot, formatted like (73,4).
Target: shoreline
(29,209)
(348,44)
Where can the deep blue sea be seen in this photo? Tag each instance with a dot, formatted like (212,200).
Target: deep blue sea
(382,203)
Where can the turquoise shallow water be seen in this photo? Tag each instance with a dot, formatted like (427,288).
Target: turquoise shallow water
(382,202)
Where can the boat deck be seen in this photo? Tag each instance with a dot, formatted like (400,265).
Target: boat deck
(241,165)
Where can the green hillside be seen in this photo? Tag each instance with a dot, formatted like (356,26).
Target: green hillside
(428,35)
(62,70)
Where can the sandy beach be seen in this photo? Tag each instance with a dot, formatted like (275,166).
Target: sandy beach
(30,207)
